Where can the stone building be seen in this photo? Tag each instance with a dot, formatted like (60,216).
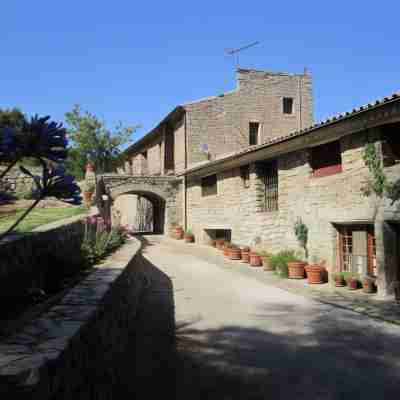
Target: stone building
(251,163)
(263,105)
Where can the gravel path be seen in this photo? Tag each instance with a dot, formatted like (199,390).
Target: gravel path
(240,338)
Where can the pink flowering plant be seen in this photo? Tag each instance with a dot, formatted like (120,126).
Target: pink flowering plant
(47,142)
(100,239)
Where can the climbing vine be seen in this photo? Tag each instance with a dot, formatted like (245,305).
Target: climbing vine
(378,183)
(301,232)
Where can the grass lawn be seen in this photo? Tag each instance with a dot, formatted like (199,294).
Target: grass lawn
(39,216)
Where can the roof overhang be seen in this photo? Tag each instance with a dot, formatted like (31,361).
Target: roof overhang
(153,134)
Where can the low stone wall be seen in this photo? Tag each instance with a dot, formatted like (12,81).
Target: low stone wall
(78,349)
(34,259)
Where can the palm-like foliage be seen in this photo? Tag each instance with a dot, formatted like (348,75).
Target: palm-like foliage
(46,141)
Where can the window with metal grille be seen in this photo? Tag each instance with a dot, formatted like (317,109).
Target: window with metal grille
(287,105)
(326,159)
(253,133)
(209,185)
(245,175)
(269,176)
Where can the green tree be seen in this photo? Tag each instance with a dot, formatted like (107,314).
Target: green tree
(12,118)
(92,140)
(16,120)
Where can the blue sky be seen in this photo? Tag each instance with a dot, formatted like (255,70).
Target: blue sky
(134,61)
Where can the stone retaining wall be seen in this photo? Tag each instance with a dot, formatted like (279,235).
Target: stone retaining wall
(32,259)
(78,349)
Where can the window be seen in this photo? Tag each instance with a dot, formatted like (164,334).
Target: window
(357,249)
(253,133)
(287,104)
(169,149)
(269,176)
(245,175)
(209,185)
(144,163)
(391,144)
(326,159)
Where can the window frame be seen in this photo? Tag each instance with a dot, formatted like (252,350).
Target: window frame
(206,187)
(345,233)
(288,105)
(269,174)
(257,136)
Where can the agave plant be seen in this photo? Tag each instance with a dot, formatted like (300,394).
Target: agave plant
(47,142)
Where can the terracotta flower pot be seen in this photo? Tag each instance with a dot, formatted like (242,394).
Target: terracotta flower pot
(314,274)
(227,251)
(220,243)
(90,167)
(339,281)
(235,254)
(177,232)
(255,260)
(368,286)
(352,284)
(296,269)
(245,256)
(189,238)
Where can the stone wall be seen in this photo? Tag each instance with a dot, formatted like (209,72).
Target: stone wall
(31,260)
(82,348)
(16,182)
(320,202)
(165,194)
(223,122)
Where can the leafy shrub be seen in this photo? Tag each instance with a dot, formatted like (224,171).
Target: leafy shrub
(279,261)
(100,239)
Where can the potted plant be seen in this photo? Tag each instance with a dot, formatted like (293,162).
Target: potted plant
(235,252)
(245,253)
(368,283)
(227,249)
(220,243)
(296,268)
(301,233)
(314,271)
(352,281)
(189,237)
(255,259)
(177,231)
(265,257)
(338,277)
(88,191)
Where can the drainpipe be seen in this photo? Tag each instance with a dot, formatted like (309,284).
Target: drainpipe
(184,178)
(300,84)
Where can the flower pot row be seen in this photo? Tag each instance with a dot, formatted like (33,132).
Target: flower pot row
(353,282)
(178,233)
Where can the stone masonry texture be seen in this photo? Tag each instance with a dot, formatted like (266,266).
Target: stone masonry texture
(222,122)
(320,202)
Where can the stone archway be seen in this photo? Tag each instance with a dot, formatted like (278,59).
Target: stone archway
(163,192)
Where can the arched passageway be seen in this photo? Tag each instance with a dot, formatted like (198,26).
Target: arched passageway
(145,212)
(162,194)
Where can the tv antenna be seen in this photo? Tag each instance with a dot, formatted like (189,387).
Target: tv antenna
(233,52)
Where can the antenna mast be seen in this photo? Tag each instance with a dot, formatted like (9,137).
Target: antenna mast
(236,52)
